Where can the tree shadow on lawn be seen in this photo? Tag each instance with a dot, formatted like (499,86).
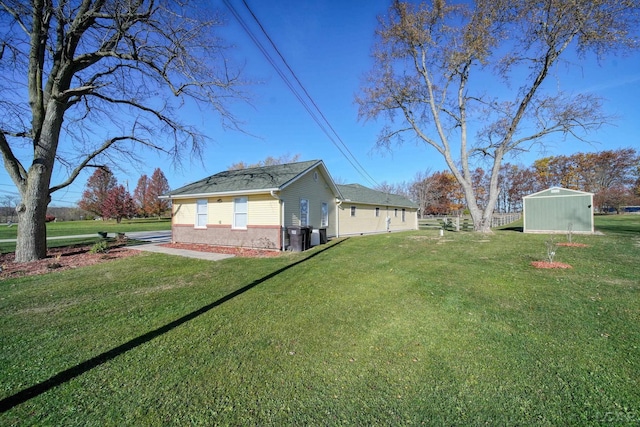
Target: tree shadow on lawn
(79,369)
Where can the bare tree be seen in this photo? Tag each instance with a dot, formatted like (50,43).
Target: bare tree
(269,161)
(400,188)
(9,203)
(423,190)
(88,83)
(432,62)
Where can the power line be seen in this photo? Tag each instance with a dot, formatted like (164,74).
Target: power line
(320,119)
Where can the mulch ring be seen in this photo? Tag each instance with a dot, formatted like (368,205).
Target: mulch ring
(547,264)
(239,252)
(60,259)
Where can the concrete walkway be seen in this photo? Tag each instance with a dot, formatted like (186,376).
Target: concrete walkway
(154,247)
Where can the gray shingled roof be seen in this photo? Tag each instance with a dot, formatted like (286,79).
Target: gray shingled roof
(246,180)
(276,177)
(360,194)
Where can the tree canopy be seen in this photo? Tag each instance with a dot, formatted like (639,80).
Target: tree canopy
(89,83)
(432,62)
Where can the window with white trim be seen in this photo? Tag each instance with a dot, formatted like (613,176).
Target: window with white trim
(240,211)
(304,212)
(377,212)
(353,211)
(201,213)
(403,215)
(325,215)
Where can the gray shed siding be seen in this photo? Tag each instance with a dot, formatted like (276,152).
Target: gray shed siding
(557,210)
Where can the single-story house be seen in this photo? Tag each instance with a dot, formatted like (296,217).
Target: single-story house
(557,210)
(363,210)
(258,207)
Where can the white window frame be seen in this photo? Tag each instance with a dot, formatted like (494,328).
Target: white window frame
(377,212)
(239,214)
(324,221)
(353,210)
(304,212)
(403,215)
(202,207)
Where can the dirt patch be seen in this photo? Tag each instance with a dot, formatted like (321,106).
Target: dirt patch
(573,245)
(547,264)
(240,252)
(60,259)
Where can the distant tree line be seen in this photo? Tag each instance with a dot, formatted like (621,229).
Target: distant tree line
(613,177)
(107,199)
(54,213)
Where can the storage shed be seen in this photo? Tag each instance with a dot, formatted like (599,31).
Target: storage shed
(558,210)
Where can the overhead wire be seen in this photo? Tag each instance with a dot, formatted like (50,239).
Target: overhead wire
(315,112)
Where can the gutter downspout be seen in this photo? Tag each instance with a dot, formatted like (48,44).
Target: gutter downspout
(338,218)
(282,230)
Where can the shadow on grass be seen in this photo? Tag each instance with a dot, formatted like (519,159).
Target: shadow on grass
(79,369)
(518,229)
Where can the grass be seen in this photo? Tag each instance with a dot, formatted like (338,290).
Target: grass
(403,328)
(72,228)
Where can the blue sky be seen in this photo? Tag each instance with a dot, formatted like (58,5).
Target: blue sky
(328,43)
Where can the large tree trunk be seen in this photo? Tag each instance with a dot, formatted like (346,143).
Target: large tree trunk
(32,210)
(32,232)
(482,218)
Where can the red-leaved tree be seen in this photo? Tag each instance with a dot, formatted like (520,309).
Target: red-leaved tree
(96,191)
(157,186)
(118,204)
(141,198)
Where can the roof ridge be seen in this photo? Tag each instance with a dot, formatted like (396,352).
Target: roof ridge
(273,166)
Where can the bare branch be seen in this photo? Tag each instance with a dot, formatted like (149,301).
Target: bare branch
(13,166)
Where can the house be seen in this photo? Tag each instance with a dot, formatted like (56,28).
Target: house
(557,210)
(363,210)
(253,207)
(259,207)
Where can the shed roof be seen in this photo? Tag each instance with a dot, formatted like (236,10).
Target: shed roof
(557,192)
(360,194)
(251,180)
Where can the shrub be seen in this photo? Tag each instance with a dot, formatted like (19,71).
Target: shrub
(100,247)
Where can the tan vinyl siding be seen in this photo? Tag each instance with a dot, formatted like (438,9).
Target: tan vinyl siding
(365,221)
(184,211)
(316,192)
(262,210)
(221,211)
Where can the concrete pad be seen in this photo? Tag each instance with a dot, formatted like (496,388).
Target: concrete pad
(209,256)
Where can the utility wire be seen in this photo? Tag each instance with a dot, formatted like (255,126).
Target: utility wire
(320,119)
(369,177)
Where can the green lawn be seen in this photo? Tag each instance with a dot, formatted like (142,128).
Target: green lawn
(71,228)
(391,329)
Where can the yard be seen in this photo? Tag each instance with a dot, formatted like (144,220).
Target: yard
(402,328)
(65,228)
